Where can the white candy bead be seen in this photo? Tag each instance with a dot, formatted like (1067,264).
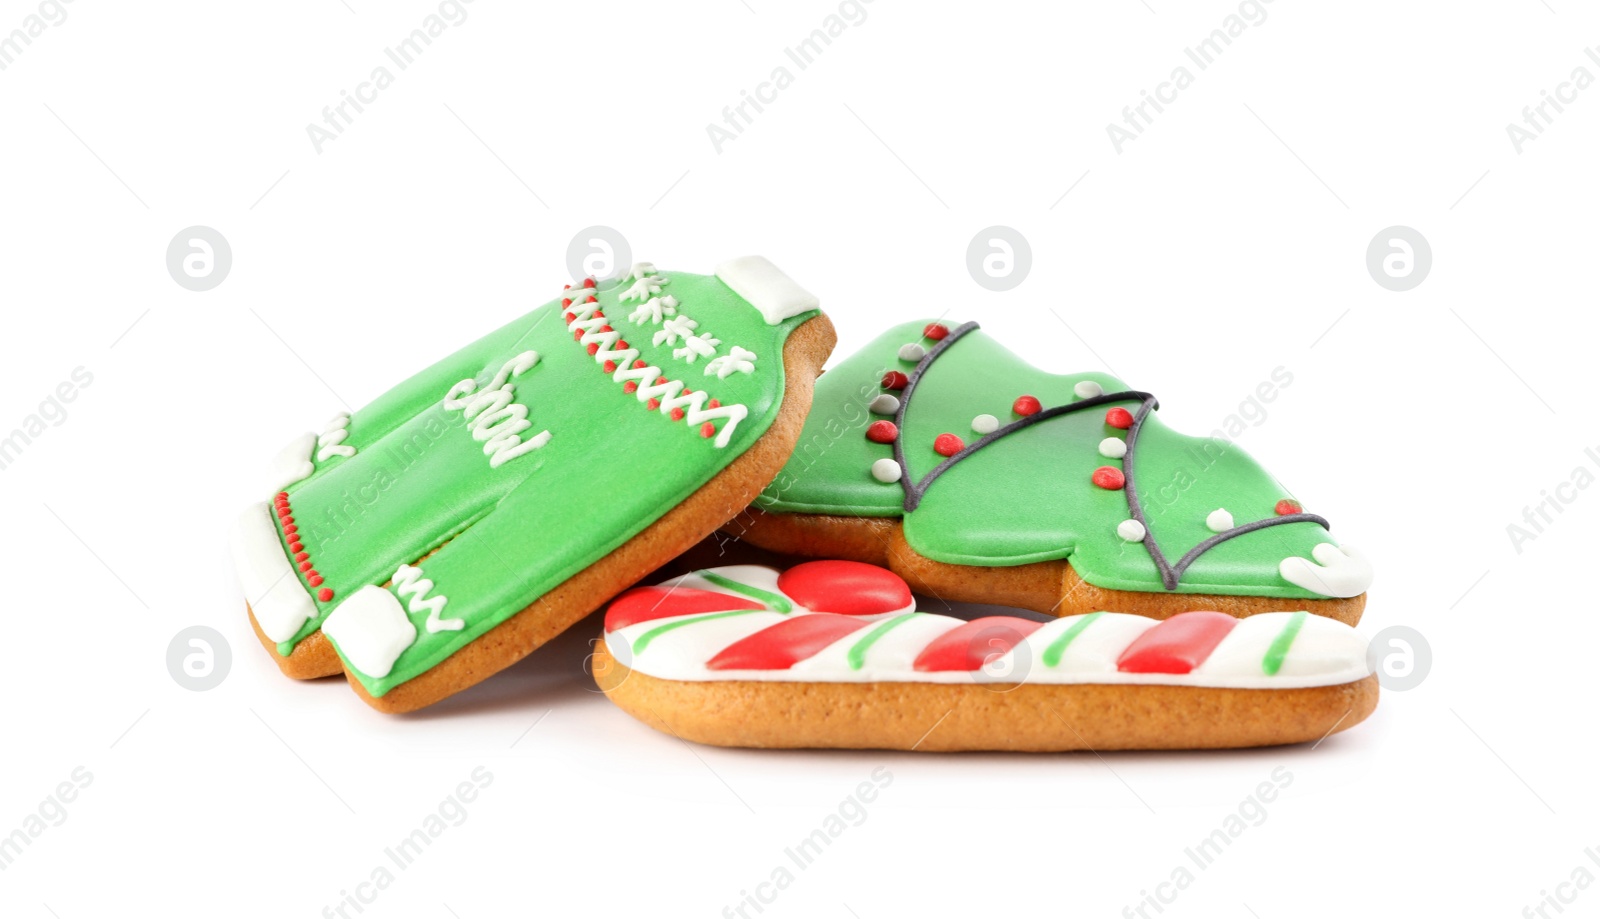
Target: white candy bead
(1087,389)
(985,424)
(886,471)
(884,405)
(912,352)
(1131,530)
(1219,520)
(1114,447)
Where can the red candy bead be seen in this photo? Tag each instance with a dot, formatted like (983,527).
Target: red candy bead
(639,365)
(935,331)
(296,546)
(944,444)
(607,328)
(305,566)
(894,379)
(314,579)
(850,588)
(653,404)
(588,282)
(707,429)
(594,346)
(1288,506)
(569,317)
(714,403)
(677,414)
(609,366)
(622,345)
(577,335)
(1108,477)
(629,386)
(290,530)
(325,594)
(1026,405)
(1119,418)
(882,432)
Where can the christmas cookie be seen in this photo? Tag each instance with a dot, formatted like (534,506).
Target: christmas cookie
(830,654)
(474,511)
(937,452)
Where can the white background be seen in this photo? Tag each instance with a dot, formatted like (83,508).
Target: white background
(1226,241)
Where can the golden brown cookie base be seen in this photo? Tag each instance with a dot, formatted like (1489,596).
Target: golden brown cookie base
(976,716)
(1047,587)
(681,527)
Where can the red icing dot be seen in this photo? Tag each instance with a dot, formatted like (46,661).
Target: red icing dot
(946,444)
(594,347)
(314,579)
(688,392)
(936,331)
(1119,418)
(622,345)
(677,414)
(1026,405)
(780,646)
(325,594)
(305,566)
(661,381)
(606,328)
(1178,644)
(639,365)
(283,496)
(882,432)
(707,429)
(653,404)
(609,366)
(290,530)
(629,386)
(569,317)
(714,403)
(894,379)
(588,282)
(577,335)
(851,588)
(1287,506)
(300,556)
(296,546)
(1109,477)
(287,520)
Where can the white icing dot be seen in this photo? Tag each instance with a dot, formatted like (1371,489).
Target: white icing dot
(885,405)
(912,352)
(1087,389)
(1219,520)
(1114,447)
(985,424)
(1131,530)
(886,471)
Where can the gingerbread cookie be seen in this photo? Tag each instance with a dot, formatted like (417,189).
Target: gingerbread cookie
(481,507)
(937,452)
(830,654)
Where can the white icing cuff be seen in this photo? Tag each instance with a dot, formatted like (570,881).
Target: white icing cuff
(292,463)
(271,585)
(371,630)
(768,289)
(1338,571)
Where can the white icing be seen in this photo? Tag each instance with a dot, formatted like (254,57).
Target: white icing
(645,285)
(674,329)
(1131,530)
(1219,520)
(702,345)
(492,416)
(886,471)
(1114,447)
(1323,653)
(884,405)
(912,352)
(371,630)
(1087,389)
(330,442)
(292,463)
(653,310)
(1339,571)
(736,361)
(766,288)
(409,583)
(986,424)
(270,582)
(639,270)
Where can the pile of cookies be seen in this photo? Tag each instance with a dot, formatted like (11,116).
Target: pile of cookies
(644,424)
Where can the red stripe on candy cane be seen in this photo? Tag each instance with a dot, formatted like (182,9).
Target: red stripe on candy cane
(780,646)
(1177,645)
(642,604)
(971,646)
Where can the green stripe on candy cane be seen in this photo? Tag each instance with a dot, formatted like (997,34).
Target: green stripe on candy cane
(644,640)
(772,600)
(1273,662)
(1052,654)
(856,657)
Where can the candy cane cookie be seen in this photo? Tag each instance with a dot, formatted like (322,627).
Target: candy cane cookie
(831,654)
(476,510)
(936,452)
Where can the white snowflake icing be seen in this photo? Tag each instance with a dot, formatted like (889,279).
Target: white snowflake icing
(673,329)
(643,288)
(737,361)
(655,309)
(702,346)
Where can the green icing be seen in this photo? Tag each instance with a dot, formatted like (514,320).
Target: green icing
(510,534)
(1273,661)
(857,655)
(644,640)
(1052,653)
(772,600)
(1028,497)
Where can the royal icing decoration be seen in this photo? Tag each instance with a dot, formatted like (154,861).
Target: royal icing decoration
(912,352)
(1075,423)
(766,288)
(277,597)
(292,463)
(409,582)
(858,629)
(884,404)
(331,442)
(371,630)
(493,417)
